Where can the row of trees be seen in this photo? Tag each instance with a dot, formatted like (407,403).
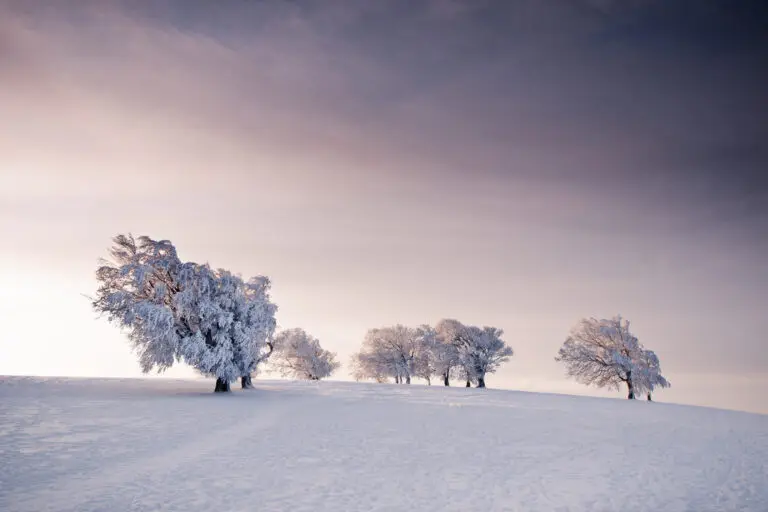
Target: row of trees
(448,350)
(211,319)
(224,327)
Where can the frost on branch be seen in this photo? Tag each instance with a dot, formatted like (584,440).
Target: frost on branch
(299,355)
(605,353)
(184,311)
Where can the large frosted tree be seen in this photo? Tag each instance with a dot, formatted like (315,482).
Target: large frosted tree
(299,355)
(605,353)
(183,311)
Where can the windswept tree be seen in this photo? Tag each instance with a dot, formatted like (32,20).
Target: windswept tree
(647,374)
(602,353)
(184,311)
(299,355)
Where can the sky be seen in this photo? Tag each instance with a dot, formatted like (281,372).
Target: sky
(517,164)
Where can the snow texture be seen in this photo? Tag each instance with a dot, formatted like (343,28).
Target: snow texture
(150,445)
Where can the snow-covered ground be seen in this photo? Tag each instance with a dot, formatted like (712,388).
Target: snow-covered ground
(146,445)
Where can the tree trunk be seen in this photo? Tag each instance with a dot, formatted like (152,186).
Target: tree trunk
(649,397)
(222,386)
(407,379)
(397,379)
(445,380)
(481,382)
(469,385)
(429,381)
(630,389)
(245,382)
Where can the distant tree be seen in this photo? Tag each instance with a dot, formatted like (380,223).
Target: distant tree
(603,353)
(647,374)
(387,352)
(447,363)
(470,352)
(427,352)
(299,355)
(364,366)
(481,351)
(176,310)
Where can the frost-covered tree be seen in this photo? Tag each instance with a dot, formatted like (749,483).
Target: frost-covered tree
(387,352)
(447,362)
(254,313)
(365,366)
(184,311)
(299,355)
(647,374)
(427,352)
(481,351)
(603,353)
(470,352)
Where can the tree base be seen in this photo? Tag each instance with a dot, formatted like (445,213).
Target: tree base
(222,386)
(246,382)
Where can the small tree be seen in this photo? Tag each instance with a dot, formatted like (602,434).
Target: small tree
(603,353)
(365,366)
(447,362)
(647,374)
(299,355)
(426,360)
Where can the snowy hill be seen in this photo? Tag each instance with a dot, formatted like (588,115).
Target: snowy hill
(145,445)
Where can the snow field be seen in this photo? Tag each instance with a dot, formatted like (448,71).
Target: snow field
(147,445)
